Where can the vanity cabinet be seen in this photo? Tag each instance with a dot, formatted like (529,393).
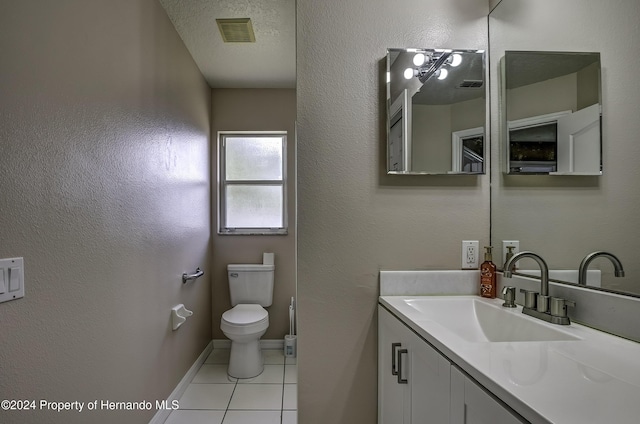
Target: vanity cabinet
(472,404)
(413,378)
(418,385)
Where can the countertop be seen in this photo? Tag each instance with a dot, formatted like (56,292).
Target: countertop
(595,379)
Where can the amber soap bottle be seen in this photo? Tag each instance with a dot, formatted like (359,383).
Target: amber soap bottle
(488,276)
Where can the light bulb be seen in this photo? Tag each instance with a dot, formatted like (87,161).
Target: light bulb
(442,74)
(408,73)
(456,59)
(419,59)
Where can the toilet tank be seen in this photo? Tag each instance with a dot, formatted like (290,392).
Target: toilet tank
(251,283)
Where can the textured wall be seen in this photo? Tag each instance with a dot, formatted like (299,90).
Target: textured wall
(353,219)
(565,218)
(105,188)
(256,110)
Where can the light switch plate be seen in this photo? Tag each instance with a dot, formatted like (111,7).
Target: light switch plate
(12,270)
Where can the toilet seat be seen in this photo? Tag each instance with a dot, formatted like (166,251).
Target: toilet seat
(245,319)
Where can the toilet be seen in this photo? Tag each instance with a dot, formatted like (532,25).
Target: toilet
(251,289)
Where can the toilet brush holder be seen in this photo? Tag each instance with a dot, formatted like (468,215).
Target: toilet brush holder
(290,346)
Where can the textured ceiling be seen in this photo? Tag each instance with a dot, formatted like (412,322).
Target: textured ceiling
(524,68)
(268,63)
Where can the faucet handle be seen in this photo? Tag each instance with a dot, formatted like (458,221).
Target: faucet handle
(558,306)
(509,296)
(543,303)
(530,298)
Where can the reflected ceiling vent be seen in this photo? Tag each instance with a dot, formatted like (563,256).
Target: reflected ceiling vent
(470,84)
(236,30)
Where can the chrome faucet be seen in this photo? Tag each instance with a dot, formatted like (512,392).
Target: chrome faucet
(544,269)
(584,265)
(540,305)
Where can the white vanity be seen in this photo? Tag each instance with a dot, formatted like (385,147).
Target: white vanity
(464,359)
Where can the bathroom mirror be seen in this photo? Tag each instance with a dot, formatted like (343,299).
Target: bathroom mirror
(564,218)
(552,103)
(436,111)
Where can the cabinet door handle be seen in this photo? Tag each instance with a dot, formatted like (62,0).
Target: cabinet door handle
(400,379)
(394,370)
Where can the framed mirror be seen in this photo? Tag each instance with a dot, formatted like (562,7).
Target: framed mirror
(565,218)
(436,111)
(553,112)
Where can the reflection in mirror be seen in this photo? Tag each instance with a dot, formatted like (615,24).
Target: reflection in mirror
(436,111)
(552,112)
(565,219)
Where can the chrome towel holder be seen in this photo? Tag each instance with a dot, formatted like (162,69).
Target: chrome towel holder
(189,277)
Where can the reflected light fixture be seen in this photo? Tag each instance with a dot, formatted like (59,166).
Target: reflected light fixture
(455,59)
(429,64)
(410,73)
(419,59)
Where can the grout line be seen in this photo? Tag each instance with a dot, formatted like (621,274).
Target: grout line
(282,384)
(229,404)
(284,370)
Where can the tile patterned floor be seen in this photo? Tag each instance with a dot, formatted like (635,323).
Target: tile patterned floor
(215,398)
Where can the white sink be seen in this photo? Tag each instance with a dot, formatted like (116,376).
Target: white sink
(476,320)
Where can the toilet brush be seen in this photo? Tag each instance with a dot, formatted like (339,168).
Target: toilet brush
(290,339)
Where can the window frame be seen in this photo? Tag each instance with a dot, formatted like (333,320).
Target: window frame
(223,183)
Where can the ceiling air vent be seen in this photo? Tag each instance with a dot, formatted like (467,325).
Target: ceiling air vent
(471,84)
(236,30)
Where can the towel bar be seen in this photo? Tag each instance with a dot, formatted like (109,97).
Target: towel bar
(188,277)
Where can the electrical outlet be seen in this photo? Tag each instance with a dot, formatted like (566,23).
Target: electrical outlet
(469,254)
(505,243)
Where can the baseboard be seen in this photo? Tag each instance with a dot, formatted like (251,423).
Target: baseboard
(161,416)
(269,344)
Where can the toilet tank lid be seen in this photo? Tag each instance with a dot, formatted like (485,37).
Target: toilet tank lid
(249,267)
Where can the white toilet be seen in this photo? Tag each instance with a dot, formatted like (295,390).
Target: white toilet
(251,288)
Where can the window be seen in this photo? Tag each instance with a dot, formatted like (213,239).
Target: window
(252,188)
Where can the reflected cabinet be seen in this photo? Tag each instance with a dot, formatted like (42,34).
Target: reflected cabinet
(551,107)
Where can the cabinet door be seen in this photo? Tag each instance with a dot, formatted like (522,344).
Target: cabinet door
(419,392)
(391,395)
(430,381)
(471,404)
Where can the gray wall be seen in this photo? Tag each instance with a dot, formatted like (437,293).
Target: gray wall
(353,220)
(105,189)
(256,110)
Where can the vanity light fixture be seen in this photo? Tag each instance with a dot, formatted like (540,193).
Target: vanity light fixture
(432,64)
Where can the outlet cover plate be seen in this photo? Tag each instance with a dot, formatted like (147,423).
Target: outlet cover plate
(470,254)
(505,243)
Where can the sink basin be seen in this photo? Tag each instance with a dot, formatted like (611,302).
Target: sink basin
(477,320)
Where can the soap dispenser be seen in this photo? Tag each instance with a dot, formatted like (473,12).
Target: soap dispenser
(488,276)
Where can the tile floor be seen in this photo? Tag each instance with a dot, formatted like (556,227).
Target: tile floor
(213,397)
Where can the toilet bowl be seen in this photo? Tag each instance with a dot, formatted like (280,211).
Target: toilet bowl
(251,290)
(244,325)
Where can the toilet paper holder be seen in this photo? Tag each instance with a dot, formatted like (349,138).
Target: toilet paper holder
(179,315)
